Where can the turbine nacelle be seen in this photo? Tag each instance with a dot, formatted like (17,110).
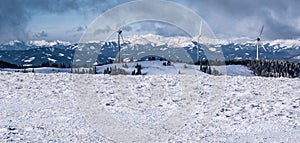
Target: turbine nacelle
(120,31)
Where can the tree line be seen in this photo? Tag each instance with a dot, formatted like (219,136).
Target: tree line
(270,68)
(266,68)
(4,64)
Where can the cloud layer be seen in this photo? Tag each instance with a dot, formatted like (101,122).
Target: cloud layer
(16,14)
(228,19)
(233,18)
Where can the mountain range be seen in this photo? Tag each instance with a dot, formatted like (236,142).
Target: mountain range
(181,49)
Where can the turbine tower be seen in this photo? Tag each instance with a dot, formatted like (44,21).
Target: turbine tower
(198,43)
(258,42)
(120,35)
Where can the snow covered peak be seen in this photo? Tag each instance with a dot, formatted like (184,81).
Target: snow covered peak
(14,42)
(290,43)
(210,41)
(40,43)
(157,40)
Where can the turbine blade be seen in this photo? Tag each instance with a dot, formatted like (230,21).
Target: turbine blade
(200,29)
(261,31)
(117,29)
(263,46)
(122,38)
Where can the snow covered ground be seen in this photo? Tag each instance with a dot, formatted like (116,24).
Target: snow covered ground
(151,68)
(157,68)
(39,70)
(63,107)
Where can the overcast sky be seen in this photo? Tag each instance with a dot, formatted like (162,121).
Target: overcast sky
(67,19)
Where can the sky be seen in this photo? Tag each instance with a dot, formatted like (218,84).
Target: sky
(66,20)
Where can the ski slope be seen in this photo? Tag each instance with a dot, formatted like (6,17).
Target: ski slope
(151,68)
(37,107)
(157,68)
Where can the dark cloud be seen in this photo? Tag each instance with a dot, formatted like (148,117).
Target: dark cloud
(15,14)
(158,28)
(13,20)
(42,34)
(234,18)
(146,26)
(80,29)
(75,32)
(104,30)
(169,31)
(227,18)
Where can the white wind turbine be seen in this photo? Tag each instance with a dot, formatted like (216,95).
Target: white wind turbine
(198,43)
(258,42)
(120,35)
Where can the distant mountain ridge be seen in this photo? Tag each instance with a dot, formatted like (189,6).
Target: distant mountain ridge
(34,53)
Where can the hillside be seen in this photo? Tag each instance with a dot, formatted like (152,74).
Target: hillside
(50,107)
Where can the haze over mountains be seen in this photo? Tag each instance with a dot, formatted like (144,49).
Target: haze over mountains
(34,53)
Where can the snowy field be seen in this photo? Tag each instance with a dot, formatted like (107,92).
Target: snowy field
(157,68)
(58,107)
(150,68)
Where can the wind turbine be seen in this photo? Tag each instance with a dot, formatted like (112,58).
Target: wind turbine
(120,35)
(198,42)
(258,42)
